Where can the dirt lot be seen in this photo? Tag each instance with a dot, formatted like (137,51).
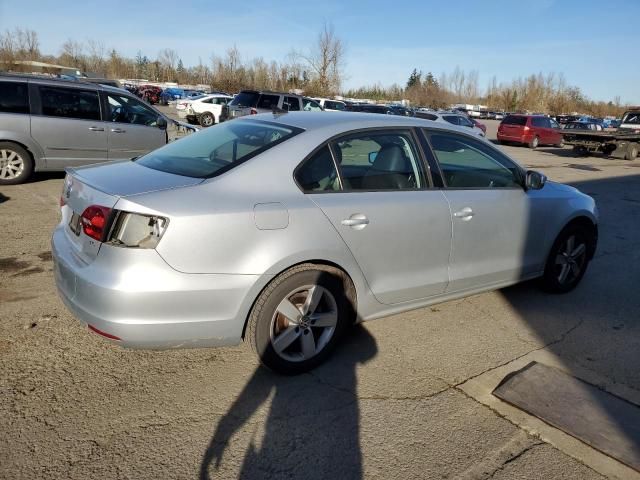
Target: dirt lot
(407,396)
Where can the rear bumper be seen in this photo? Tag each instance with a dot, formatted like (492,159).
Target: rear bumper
(135,296)
(514,138)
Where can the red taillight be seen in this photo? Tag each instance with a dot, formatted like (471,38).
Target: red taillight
(104,334)
(253,111)
(526,128)
(94,220)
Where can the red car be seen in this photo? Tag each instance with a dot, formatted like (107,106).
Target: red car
(480,125)
(531,130)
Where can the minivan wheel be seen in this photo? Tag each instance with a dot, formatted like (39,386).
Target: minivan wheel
(299,317)
(533,144)
(207,119)
(16,164)
(568,260)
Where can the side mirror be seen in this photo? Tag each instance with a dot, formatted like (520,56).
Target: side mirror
(372,157)
(534,180)
(161,122)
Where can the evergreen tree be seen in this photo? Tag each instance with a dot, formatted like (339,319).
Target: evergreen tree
(414,79)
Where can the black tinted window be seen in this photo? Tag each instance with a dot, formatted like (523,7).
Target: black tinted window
(454,119)
(318,173)
(515,120)
(14,97)
(268,101)
(538,122)
(246,99)
(217,149)
(129,110)
(333,105)
(291,104)
(70,103)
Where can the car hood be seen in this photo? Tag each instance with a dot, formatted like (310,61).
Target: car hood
(125,178)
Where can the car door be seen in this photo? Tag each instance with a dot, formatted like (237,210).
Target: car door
(498,229)
(132,127)
(67,124)
(397,228)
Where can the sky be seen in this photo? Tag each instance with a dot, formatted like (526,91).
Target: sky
(592,43)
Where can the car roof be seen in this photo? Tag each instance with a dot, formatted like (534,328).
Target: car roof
(337,122)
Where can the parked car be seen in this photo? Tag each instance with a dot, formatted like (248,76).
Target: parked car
(384,109)
(252,102)
(206,110)
(454,118)
(583,125)
(149,93)
(531,130)
(311,105)
(189,246)
(480,125)
(51,124)
(331,105)
(564,119)
(171,94)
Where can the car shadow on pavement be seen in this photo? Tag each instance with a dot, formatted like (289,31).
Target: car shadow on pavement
(311,429)
(594,330)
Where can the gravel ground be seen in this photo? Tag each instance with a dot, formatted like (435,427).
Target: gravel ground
(388,405)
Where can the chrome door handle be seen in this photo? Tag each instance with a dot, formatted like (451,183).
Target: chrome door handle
(118,130)
(96,129)
(465,214)
(357,221)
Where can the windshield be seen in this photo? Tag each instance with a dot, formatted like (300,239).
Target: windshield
(217,149)
(246,99)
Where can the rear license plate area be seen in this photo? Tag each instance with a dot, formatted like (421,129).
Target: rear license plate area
(74,224)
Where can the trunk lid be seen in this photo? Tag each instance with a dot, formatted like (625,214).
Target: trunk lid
(103,186)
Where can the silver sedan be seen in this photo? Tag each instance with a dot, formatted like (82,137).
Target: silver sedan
(283,230)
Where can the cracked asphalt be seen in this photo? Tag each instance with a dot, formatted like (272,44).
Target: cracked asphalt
(405,397)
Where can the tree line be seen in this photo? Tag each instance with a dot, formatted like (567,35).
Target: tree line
(318,70)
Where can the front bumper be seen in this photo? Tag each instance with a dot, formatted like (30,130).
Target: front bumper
(133,294)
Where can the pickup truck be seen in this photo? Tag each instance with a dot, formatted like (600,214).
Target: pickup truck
(624,141)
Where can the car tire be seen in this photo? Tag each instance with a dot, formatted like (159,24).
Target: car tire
(290,345)
(16,164)
(534,143)
(207,119)
(580,151)
(568,259)
(632,151)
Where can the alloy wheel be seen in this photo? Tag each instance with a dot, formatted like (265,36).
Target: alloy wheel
(11,164)
(304,322)
(570,260)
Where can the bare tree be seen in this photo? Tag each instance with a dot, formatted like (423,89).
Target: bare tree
(326,60)
(72,53)
(167,60)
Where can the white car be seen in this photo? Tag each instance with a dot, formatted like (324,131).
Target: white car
(183,103)
(206,110)
(452,118)
(331,105)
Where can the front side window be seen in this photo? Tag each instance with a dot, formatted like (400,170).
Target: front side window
(318,173)
(217,149)
(70,103)
(379,161)
(268,101)
(453,119)
(468,163)
(14,97)
(311,106)
(129,110)
(465,122)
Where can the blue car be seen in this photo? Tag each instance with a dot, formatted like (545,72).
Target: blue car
(170,94)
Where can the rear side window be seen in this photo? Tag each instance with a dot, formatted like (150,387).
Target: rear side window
(334,105)
(14,97)
(268,101)
(318,173)
(70,103)
(538,122)
(515,120)
(217,149)
(246,99)
(291,104)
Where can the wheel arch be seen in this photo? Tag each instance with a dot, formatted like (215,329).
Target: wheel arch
(588,223)
(29,148)
(351,290)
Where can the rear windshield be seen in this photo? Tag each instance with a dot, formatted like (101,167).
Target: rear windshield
(515,120)
(632,118)
(217,149)
(246,99)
